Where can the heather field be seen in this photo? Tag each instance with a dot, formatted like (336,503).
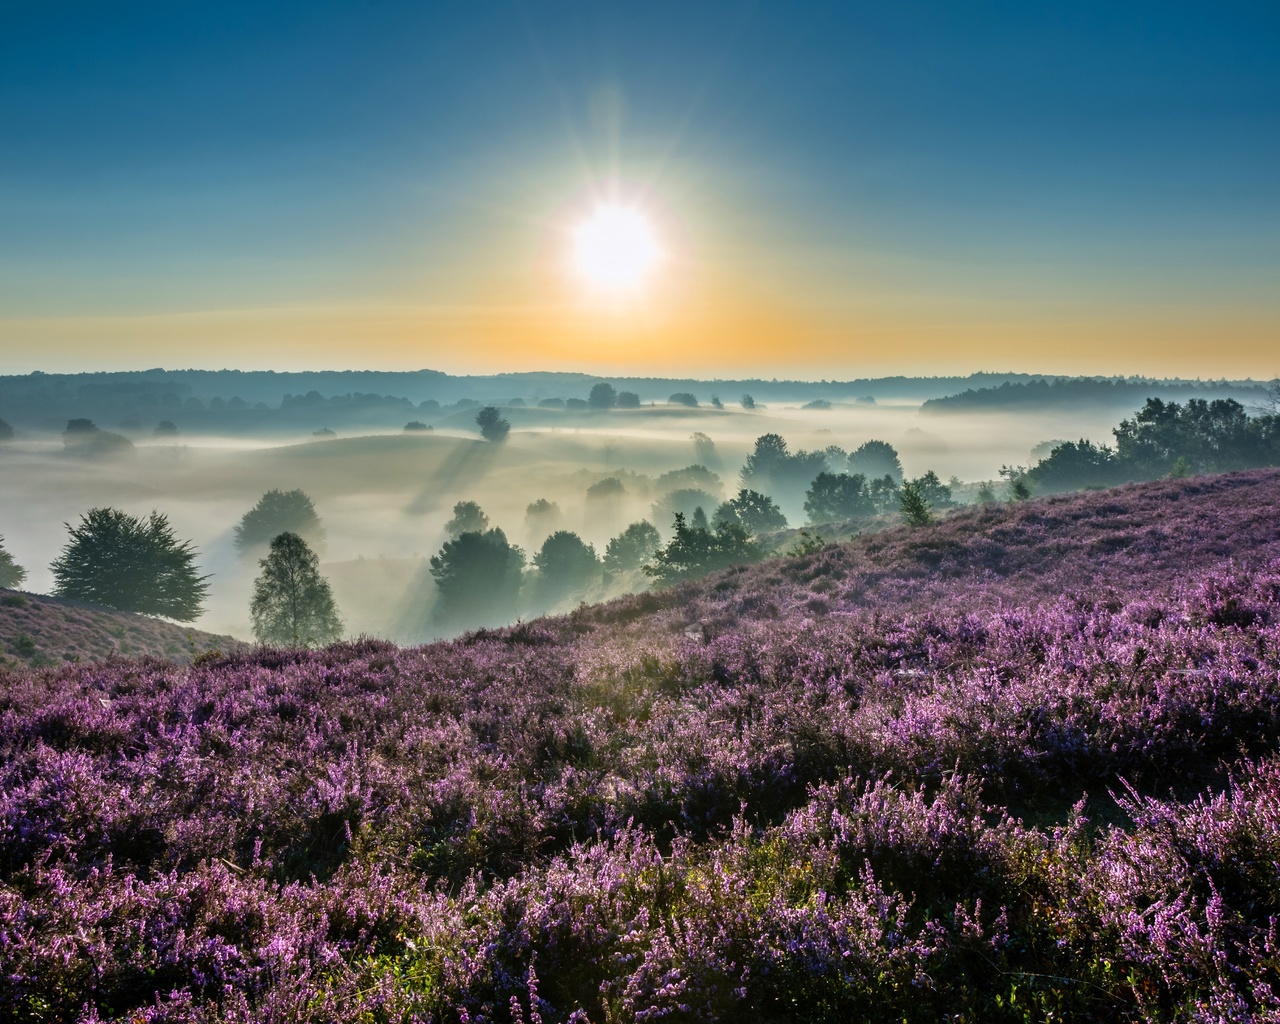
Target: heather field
(1020,765)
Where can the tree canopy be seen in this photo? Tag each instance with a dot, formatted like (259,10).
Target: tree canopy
(11,573)
(695,551)
(602,396)
(292,603)
(133,564)
(493,427)
(478,575)
(468,517)
(565,565)
(875,459)
(773,469)
(838,496)
(753,511)
(275,513)
(632,547)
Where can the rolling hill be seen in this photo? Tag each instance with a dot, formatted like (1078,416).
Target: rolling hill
(37,630)
(1020,765)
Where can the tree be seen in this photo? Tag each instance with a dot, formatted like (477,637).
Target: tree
(83,438)
(275,513)
(704,449)
(478,575)
(875,459)
(753,511)
(610,488)
(883,493)
(696,551)
(1073,465)
(935,492)
(292,604)
(684,398)
(632,547)
(628,400)
(838,496)
(492,425)
(716,403)
(565,564)
(683,500)
(166,428)
(747,402)
(602,396)
(772,469)
(135,565)
(468,517)
(541,514)
(11,573)
(914,506)
(415,426)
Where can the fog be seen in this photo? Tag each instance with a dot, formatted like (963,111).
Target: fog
(385,497)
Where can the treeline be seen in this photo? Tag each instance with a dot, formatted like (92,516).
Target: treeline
(1162,439)
(1069,392)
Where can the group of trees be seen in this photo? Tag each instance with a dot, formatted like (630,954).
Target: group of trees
(1163,439)
(138,564)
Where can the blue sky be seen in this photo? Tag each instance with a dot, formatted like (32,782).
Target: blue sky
(908,186)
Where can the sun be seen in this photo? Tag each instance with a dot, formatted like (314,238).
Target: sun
(615,250)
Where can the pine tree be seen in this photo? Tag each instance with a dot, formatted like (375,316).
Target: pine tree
(135,565)
(914,505)
(292,604)
(11,573)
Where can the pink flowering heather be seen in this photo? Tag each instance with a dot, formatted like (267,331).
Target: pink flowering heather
(1021,765)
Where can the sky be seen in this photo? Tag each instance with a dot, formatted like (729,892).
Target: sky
(833,190)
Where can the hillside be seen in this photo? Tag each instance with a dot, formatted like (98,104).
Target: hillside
(38,630)
(1020,765)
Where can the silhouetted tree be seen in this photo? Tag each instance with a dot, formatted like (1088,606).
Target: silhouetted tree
(632,547)
(414,426)
(747,402)
(166,428)
(753,511)
(838,496)
(914,506)
(1072,465)
(565,565)
(468,517)
(492,425)
(716,403)
(275,513)
(875,459)
(628,400)
(683,398)
(602,396)
(11,573)
(696,551)
(478,575)
(135,565)
(292,604)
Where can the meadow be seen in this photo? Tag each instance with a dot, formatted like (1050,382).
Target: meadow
(1019,765)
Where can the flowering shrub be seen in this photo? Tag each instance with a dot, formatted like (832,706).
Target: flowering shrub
(871,782)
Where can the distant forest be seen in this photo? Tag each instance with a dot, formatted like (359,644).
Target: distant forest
(236,401)
(1066,392)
